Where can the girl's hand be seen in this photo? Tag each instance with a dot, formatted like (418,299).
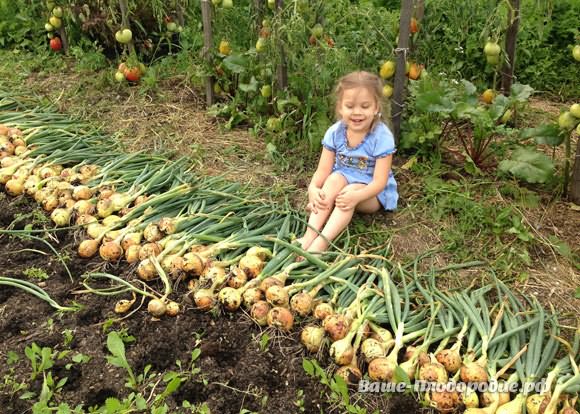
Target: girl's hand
(347,199)
(316,200)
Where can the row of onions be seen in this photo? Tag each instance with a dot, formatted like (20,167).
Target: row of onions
(230,246)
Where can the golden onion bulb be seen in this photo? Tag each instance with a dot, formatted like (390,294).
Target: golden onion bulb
(312,337)
(251,265)
(237,278)
(450,359)
(261,252)
(230,298)
(85,219)
(14,187)
(88,248)
(473,372)
(82,192)
(193,263)
(381,369)
(131,239)
(84,207)
(280,318)
(61,217)
(259,312)
(470,398)
(157,307)
(433,372)
(371,349)
(95,230)
(172,308)
(271,281)
(445,401)
(149,250)
(301,304)
(342,351)
(277,296)
(204,299)
(251,296)
(132,253)
(322,310)
(336,325)
(152,233)
(111,251)
(146,270)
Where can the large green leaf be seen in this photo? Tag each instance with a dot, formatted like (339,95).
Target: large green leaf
(236,63)
(528,165)
(549,134)
(521,92)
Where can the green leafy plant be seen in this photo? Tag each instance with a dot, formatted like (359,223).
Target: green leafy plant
(116,347)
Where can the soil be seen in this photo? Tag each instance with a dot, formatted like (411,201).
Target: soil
(235,373)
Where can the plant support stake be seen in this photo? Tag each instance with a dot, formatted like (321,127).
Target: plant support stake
(207,46)
(398,101)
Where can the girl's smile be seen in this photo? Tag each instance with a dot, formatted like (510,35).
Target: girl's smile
(358,109)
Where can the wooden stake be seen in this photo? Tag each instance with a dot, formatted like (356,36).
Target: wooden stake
(282,69)
(398,101)
(507,72)
(575,184)
(207,46)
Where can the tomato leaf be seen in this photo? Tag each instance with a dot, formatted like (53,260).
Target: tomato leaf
(521,92)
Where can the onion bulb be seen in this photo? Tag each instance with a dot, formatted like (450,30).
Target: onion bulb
(131,239)
(350,374)
(322,310)
(82,192)
(342,351)
(450,359)
(15,187)
(95,230)
(445,401)
(433,372)
(85,219)
(302,303)
(230,298)
(336,325)
(132,253)
(193,263)
(104,208)
(31,184)
(237,278)
(88,248)
(120,200)
(534,402)
(111,220)
(251,265)
(166,223)
(382,369)
(312,337)
(84,207)
(148,250)
(50,203)
(124,305)
(140,200)
(371,349)
(259,312)
(276,280)
(277,296)
(204,299)
(473,372)
(157,307)
(488,398)
(152,233)
(280,318)
(469,398)
(251,296)
(111,251)
(146,270)
(512,407)
(61,217)
(172,308)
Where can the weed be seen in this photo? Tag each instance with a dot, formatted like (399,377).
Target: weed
(35,273)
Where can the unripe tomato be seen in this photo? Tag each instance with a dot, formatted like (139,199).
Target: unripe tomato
(566,121)
(48,27)
(266,91)
(55,44)
(492,60)
(387,69)
(387,91)
(172,27)
(317,30)
(492,49)
(119,76)
(273,124)
(122,67)
(216,2)
(227,4)
(415,71)
(576,52)
(57,11)
(260,44)
(55,22)
(506,116)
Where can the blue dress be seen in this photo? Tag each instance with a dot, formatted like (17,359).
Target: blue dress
(357,164)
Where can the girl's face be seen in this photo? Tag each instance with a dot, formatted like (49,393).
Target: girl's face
(357,109)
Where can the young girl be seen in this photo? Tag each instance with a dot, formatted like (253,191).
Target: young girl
(354,171)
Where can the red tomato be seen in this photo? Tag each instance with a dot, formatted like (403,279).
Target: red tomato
(133,74)
(414,27)
(55,44)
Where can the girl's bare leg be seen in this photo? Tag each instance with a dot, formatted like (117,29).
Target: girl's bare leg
(332,186)
(339,219)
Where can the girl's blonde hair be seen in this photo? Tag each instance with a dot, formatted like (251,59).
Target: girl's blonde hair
(361,79)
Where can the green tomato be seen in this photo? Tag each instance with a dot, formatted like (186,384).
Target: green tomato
(272,4)
(260,44)
(57,11)
(228,4)
(266,91)
(172,27)
(119,76)
(566,121)
(48,27)
(576,52)
(575,110)
(492,49)
(273,124)
(317,30)
(216,2)
(50,4)
(55,22)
